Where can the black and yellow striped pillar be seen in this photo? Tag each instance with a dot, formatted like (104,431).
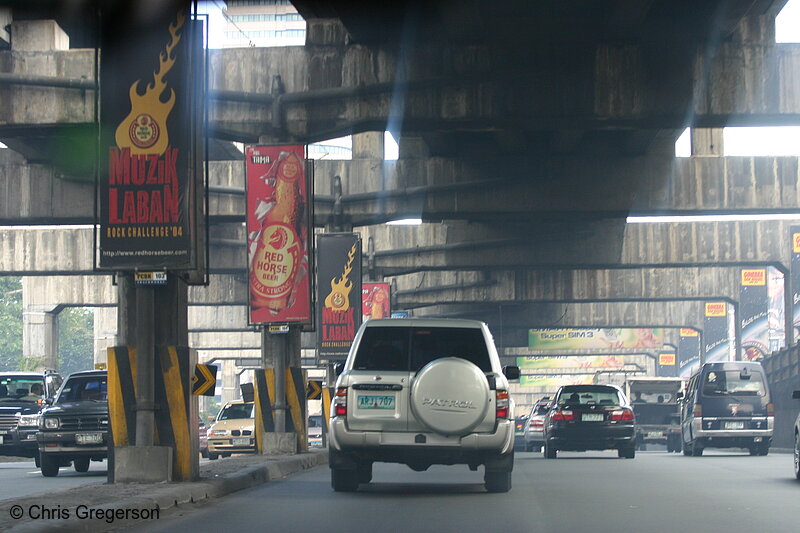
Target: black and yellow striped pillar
(122,395)
(264,397)
(176,415)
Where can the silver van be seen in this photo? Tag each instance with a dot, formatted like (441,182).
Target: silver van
(422,392)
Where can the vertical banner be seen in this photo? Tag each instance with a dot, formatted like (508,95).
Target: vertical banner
(716,338)
(776,291)
(149,150)
(278,222)
(753,303)
(375,301)
(688,352)
(795,281)
(338,293)
(667,365)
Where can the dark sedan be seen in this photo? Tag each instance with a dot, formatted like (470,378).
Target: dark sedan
(590,417)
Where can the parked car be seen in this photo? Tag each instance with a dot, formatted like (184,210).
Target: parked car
(233,430)
(519,432)
(22,397)
(74,428)
(422,392)
(590,417)
(727,405)
(315,431)
(534,429)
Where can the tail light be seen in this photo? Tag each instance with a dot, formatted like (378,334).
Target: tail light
(536,423)
(622,415)
(770,409)
(502,404)
(698,410)
(565,415)
(340,402)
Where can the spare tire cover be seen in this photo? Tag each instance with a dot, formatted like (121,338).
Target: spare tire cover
(450,396)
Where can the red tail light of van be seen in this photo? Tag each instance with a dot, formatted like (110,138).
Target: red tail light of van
(502,404)
(340,402)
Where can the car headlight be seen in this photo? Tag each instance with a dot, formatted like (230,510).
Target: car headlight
(50,423)
(217,433)
(29,420)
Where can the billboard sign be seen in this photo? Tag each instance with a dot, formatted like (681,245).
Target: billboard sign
(339,303)
(278,244)
(375,301)
(585,338)
(753,307)
(150,154)
(716,333)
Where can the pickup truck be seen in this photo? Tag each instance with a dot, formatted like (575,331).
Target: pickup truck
(655,406)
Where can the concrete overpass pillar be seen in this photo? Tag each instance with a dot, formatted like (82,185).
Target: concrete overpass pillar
(40,336)
(230,382)
(105,332)
(707,142)
(38,36)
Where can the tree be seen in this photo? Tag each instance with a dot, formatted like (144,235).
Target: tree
(75,340)
(10,322)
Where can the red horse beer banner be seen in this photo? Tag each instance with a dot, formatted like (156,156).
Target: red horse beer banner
(375,301)
(277,234)
(150,157)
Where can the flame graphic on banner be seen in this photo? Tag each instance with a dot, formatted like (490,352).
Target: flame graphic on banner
(144,130)
(339,298)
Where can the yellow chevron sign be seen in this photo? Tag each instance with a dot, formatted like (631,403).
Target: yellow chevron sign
(204,380)
(313,390)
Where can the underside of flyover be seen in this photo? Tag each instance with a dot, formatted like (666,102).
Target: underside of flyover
(527,135)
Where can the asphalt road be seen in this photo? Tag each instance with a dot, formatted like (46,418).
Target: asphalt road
(595,492)
(24,479)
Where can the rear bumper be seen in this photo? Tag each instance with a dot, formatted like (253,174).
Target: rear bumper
(403,447)
(699,432)
(590,438)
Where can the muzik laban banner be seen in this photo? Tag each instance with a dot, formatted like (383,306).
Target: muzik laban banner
(553,381)
(571,361)
(586,338)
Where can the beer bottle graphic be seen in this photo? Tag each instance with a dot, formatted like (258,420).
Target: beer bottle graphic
(279,251)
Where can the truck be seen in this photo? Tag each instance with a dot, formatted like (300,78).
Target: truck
(655,406)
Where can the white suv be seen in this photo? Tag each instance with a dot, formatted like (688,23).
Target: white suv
(422,392)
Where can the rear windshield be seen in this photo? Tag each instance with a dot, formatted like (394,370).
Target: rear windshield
(595,396)
(236,411)
(84,388)
(410,349)
(540,409)
(728,382)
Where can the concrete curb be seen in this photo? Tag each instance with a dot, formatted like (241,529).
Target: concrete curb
(166,496)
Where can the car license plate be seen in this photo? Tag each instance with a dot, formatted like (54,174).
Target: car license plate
(655,434)
(240,442)
(376,402)
(734,425)
(592,417)
(1,439)
(88,438)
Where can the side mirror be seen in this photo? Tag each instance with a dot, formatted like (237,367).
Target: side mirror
(338,368)
(679,395)
(511,372)
(796,395)
(49,401)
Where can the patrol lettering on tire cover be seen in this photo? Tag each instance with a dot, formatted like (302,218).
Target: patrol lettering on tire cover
(450,396)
